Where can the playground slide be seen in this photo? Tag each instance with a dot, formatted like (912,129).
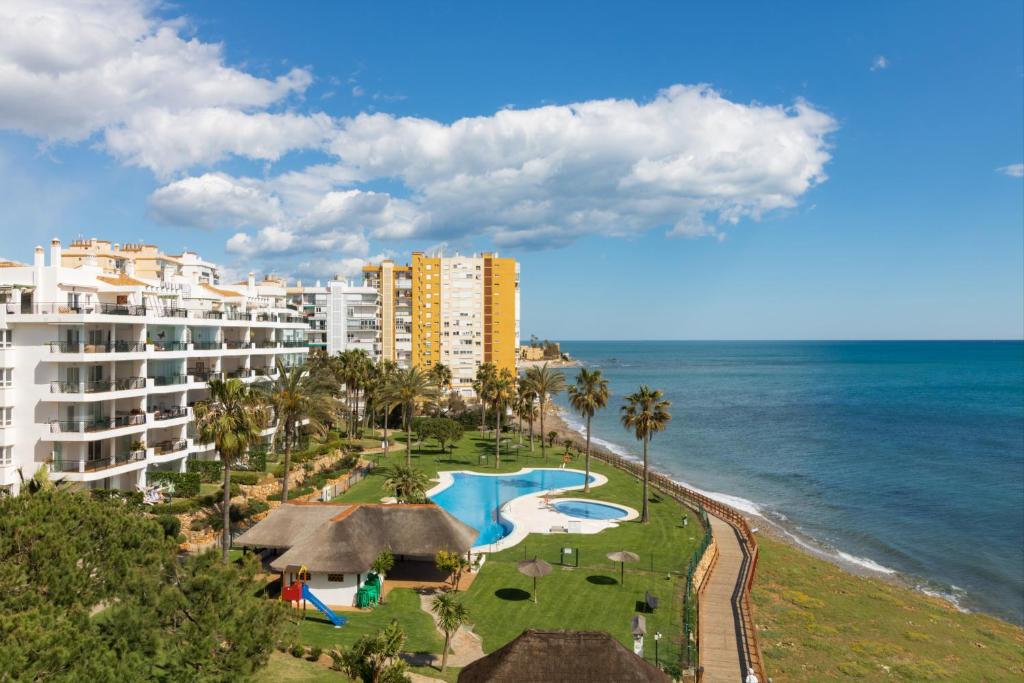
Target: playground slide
(334,618)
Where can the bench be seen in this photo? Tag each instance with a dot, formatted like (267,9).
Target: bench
(651,601)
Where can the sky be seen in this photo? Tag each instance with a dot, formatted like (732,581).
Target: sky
(661,170)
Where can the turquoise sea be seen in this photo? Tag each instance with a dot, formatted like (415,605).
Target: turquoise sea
(894,457)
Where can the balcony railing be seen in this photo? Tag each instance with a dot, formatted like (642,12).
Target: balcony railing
(169,346)
(237,315)
(82,466)
(100,424)
(237,374)
(266,344)
(293,344)
(206,345)
(204,375)
(172,312)
(100,386)
(211,315)
(236,344)
(82,347)
(169,413)
(165,447)
(168,380)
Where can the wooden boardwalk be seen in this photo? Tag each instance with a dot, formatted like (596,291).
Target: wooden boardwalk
(720,640)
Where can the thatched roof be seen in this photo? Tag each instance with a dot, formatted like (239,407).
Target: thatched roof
(347,539)
(288,525)
(557,656)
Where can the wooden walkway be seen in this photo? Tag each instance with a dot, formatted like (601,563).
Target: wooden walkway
(719,639)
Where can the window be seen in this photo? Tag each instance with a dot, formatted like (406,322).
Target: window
(336,578)
(6,375)
(6,455)
(5,416)
(6,338)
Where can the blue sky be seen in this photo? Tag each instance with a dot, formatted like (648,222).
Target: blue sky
(745,171)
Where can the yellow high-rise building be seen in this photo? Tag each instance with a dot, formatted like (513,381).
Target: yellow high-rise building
(462,311)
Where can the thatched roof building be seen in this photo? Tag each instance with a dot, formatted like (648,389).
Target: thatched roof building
(559,657)
(345,539)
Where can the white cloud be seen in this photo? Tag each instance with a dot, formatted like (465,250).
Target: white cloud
(70,70)
(358,91)
(214,200)
(1013,170)
(879,63)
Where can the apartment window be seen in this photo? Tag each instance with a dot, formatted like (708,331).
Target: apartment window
(336,578)
(6,455)
(6,338)
(5,416)
(6,375)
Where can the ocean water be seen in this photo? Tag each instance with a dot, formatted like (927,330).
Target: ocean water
(894,457)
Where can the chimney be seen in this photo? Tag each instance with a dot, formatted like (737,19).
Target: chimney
(318,284)
(55,252)
(39,260)
(298,283)
(252,280)
(129,267)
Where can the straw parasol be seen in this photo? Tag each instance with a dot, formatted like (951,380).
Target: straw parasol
(622,557)
(533,568)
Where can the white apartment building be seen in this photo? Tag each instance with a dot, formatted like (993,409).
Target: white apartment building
(462,319)
(99,369)
(353,318)
(312,303)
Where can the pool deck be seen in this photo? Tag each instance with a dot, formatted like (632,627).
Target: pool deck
(532,513)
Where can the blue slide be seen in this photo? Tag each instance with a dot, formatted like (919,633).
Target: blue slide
(335,619)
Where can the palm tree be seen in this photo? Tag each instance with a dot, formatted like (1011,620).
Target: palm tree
(589,395)
(450,613)
(645,413)
(443,378)
(375,657)
(296,396)
(528,404)
(409,483)
(546,382)
(410,388)
(231,419)
(501,391)
(482,385)
(354,367)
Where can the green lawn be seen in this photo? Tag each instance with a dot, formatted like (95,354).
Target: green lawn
(820,623)
(580,598)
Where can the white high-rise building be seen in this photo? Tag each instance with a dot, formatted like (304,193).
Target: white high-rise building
(100,368)
(353,318)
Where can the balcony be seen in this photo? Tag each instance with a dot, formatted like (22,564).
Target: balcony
(170,446)
(210,315)
(99,387)
(293,344)
(82,347)
(199,375)
(206,346)
(98,468)
(168,413)
(93,429)
(237,315)
(171,312)
(236,344)
(169,380)
(266,344)
(240,373)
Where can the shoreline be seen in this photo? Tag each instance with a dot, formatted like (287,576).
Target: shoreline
(774,530)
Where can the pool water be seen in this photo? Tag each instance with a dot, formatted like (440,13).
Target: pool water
(475,499)
(586,509)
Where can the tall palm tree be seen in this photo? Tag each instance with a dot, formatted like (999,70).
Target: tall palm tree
(296,396)
(411,388)
(450,613)
(589,395)
(482,385)
(443,377)
(231,419)
(546,382)
(528,404)
(501,391)
(354,368)
(645,413)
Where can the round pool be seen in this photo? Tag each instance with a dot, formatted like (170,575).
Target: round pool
(589,509)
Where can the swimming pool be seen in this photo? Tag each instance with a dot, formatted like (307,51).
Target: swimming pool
(476,498)
(589,509)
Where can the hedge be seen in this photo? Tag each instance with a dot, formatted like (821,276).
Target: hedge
(245,477)
(258,461)
(171,525)
(210,471)
(293,493)
(186,484)
(178,507)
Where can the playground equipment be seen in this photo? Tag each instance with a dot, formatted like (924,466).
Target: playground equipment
(299,591)
(368,594)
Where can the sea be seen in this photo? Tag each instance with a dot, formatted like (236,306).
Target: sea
(901,459)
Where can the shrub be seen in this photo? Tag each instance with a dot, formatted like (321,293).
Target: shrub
(277,471)
(298,650)
(129,498)
(186,484)
(209,470)
(170,524)
(315,652)
(256,507)
(293,493)
(245,477)
(258,461)
(181,538)
(177,507)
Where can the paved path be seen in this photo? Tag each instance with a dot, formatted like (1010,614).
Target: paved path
(719,646)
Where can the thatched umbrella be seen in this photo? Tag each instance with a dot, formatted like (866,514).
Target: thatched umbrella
(535,567)
(622,557)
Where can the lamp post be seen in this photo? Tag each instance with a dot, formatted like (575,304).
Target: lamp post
(657,637)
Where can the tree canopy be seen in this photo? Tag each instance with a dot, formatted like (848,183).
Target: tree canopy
(92,590)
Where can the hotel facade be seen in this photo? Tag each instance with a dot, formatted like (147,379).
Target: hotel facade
(100,365)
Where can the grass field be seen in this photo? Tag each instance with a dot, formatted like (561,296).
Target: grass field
(581,598)
(820,623)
